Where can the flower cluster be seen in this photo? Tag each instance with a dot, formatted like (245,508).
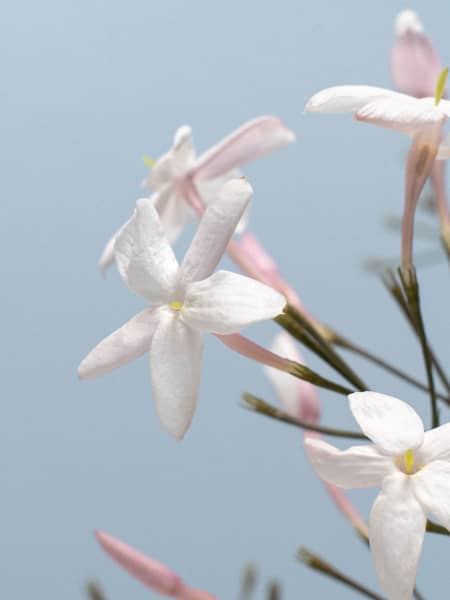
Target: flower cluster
(190,298)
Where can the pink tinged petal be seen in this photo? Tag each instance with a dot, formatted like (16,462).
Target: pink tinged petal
(253,140)
(396,532)
(261,263)
(346,98)
(436,444)
(226,302)
(415,64)
(357,467)
(214,232)
(299,398)
(124,345)
(432,490)
(144,257)
(390,423)
(175,362)
(150,572)
(406,115)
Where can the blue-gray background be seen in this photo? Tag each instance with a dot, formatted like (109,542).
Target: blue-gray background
(87,88)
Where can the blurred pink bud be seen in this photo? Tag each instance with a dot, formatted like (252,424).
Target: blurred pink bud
(150,572)
(299,398)
(249,142)
(415,64)
(249,349)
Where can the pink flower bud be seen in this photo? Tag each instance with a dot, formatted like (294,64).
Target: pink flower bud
(415,64)
(150,572)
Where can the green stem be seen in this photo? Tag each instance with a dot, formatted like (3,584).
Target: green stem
(435,528)
(394,289)
(94,591)
(383,364)
(411,290)
(313,561)
(328,352)
(262,407)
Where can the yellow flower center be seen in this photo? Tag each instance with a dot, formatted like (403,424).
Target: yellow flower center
(175,305)
(440,86)
(407,463)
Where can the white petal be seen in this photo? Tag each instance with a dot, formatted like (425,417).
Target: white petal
(407,21)
(432,489)
(298,397)
(226,302)
(144,257)
(406,116)
(436,444)
(127,343)
(357,467)
(183,149)
(214,232)
(253,140)
(107,257)
(174,214)
(175,361)
(210,188)
(390,423)
(175,162)
(443,106)
(346,98)
(396,532)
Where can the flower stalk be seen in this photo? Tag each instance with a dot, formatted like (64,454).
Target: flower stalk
(293,321)
(315,562)
(262,407)
(411,290)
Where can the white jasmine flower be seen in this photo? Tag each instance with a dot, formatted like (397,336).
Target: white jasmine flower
(185,301)
(411,466)
(184,182)
(420,118)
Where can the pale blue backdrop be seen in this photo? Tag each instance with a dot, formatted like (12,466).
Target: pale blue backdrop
(87,88)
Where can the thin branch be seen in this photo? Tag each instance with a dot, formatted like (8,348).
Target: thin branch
(394,289)
(258,405)
(411,290)
(383,364)
(315,562)
(301,326)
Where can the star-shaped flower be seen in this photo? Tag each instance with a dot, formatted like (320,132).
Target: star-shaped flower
(183,181)
(413,469)
(185,302)
(148,571)
(422,119)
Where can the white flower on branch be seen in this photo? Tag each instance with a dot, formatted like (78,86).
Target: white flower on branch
(184,182)
(185,301)
(420,118)
(413,469)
